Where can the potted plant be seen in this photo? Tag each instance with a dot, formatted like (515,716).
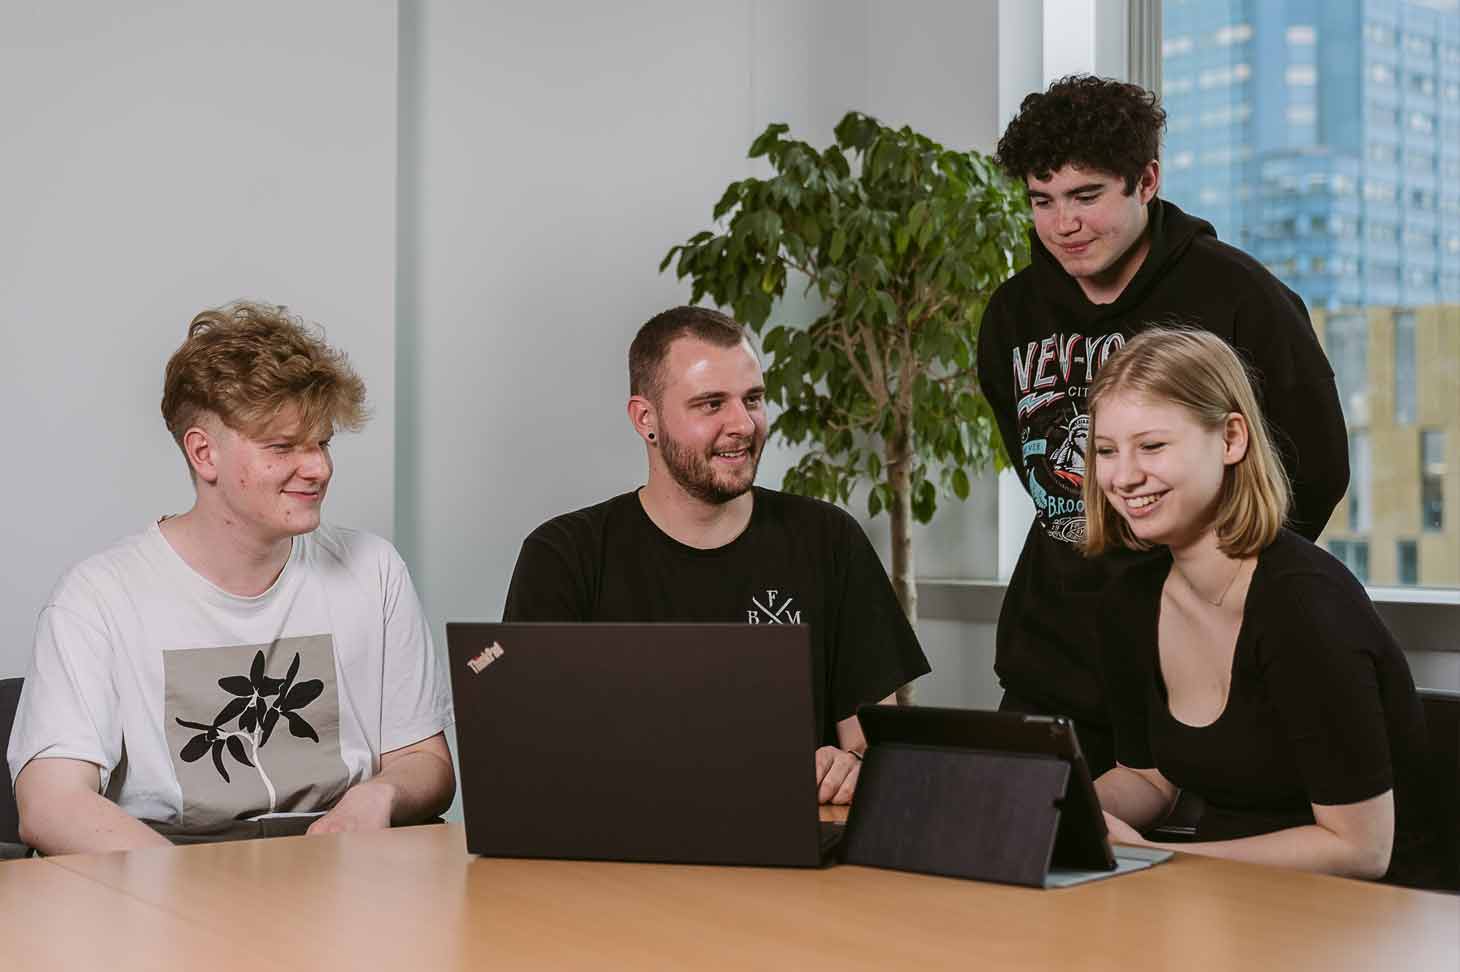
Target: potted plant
(903,241)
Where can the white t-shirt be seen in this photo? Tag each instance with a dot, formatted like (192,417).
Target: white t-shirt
(203,708)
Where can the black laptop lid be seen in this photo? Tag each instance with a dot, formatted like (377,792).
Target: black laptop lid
(1080,841)
(647,742)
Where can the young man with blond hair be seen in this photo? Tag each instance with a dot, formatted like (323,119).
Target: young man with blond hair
(240,669)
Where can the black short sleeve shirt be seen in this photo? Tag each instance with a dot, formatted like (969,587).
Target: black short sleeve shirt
(799,561)
(1322,708)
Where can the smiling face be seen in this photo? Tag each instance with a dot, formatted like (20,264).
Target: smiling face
(710,420)
(1160,468)
(1096,231)
(269,485)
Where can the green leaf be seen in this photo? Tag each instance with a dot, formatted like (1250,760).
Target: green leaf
(960,483)
(727,201)
(767,138)
(884,301)
(874,502)
(838,244)
(771,278)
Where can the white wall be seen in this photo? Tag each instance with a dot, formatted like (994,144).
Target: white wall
(158,159)
(563,147)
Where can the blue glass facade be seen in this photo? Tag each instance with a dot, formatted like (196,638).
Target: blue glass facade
(1323,137)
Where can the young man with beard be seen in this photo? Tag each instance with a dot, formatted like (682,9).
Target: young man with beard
(699,542)
(239,670)
(1109,260)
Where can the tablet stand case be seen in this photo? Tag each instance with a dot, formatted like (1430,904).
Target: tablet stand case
(958,812)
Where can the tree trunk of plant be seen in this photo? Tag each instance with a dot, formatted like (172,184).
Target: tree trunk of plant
(904,578)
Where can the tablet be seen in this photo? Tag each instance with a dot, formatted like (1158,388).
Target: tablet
(1081,841)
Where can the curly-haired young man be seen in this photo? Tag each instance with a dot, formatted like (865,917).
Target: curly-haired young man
(1109,259)
(238,670)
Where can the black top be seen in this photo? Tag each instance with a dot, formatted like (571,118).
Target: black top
(1039,347)
(799,561)
(1321,709)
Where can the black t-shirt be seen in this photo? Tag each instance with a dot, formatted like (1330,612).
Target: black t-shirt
(1040,346)
(1322,708)
(799,561)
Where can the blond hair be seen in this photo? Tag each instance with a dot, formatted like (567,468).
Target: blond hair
(247,362)
(1201,373)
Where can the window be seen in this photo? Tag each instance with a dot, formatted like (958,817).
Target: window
(1301,114)
(1302,35)
(1360,483)
(1406,557)
(1233,34)
(1383,152)
(1302,75)
(1355,556)
(1348,352)
(1432,480)
(1380,35)
(1419,47)
(1352,156)
(1404,374)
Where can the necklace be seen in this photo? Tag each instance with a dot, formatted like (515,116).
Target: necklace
(1220,597)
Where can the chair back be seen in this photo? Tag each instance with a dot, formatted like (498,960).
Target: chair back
(9,816)
(1442,719)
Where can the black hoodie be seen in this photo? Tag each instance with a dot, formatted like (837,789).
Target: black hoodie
(1039,346)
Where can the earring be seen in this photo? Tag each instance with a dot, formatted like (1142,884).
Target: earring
(651,436)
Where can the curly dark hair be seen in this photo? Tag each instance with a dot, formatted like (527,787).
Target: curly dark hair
(1089,122)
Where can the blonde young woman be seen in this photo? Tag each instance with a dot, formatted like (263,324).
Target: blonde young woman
(1243,663)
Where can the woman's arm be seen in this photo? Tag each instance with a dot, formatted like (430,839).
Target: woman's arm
(1138,797)
(1350,840)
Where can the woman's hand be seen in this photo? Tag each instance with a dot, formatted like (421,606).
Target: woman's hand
(1121,832)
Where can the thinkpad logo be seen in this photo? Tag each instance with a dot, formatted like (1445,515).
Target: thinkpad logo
(773,609)
(489,654)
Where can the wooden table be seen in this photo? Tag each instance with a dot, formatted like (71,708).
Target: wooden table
(414,899)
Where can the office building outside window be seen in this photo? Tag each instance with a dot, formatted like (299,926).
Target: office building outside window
(1323,137)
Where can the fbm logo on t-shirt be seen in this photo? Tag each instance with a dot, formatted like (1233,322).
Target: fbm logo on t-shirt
(773,609)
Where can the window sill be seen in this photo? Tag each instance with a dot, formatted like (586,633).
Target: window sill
(1422,619)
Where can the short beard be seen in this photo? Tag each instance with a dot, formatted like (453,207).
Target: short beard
(695,474)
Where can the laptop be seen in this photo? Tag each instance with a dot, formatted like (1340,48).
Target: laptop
(673,743)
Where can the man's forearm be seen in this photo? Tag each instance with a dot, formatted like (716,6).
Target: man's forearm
(423,784)
(78,822)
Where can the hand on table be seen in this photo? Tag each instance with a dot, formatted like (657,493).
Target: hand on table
(1120,831)
(365,806)
(836,774)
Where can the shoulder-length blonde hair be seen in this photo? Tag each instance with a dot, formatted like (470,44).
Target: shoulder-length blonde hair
(1201,373)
